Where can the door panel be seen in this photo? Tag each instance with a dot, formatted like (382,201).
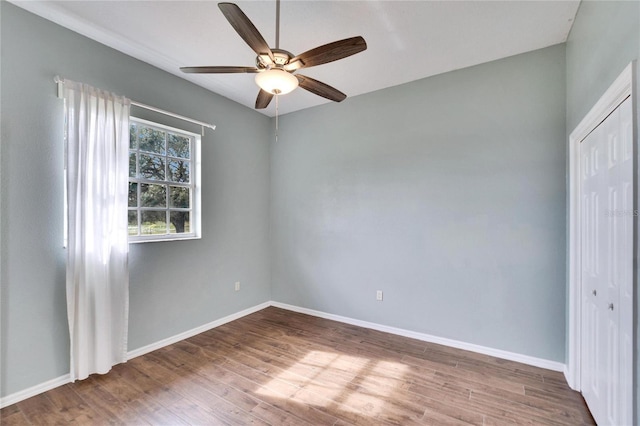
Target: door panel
(607,262)
(593,288)
(625,262)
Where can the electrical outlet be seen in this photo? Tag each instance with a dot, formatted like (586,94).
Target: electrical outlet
(237,287)
(379,295)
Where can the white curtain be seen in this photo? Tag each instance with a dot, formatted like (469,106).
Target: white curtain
(97,135)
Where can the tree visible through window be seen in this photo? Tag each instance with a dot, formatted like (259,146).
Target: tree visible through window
(163,182)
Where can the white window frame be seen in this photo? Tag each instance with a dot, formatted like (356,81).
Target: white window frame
(195,215)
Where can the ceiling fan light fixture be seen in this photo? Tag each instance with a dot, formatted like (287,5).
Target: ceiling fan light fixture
(276,81)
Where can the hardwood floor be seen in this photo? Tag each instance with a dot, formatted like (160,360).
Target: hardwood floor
(277,367)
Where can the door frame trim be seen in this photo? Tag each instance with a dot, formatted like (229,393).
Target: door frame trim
(622,88)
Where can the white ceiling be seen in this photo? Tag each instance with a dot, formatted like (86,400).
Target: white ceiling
(407,40)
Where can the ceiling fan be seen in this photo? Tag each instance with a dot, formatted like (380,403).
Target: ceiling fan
(275,68)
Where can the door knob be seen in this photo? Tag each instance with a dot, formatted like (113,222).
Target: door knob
(594,292)
(611,306)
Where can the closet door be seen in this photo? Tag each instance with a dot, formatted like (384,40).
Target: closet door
(620,289)
(593,287)
(607,278)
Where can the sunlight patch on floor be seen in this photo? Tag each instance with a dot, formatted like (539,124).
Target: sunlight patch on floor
(359,385)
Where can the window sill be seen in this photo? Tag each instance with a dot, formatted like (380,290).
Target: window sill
(162,238)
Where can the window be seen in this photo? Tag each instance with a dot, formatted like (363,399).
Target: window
(164,182)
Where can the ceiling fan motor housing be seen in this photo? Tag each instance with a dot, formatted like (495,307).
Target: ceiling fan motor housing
(280,59)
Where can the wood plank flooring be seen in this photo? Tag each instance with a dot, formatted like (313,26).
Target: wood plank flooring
(277,367)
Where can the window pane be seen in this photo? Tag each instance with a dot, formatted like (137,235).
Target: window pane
(179,171)
(153,195)
(179,197)
(177,146)
(161,189)
(179,222)
(132,136)
(133,194)
(132,164)
(151,140)
(153,223)
(151,167)
(133,222)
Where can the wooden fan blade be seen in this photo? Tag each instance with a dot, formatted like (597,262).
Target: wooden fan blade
(321,89)
(218,70)
(245,28)
(331,52)
(263,99)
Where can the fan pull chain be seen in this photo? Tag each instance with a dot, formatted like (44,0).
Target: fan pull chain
(277,24)
(277,118)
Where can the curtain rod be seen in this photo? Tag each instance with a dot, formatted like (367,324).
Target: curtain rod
(60,82)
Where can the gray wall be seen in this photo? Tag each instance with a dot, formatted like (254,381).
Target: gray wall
(175,286)
(605,37)
(447,193)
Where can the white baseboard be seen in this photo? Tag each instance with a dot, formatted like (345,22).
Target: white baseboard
(34,390)
(62,380)
(511,356)
(525,359)
(190,333)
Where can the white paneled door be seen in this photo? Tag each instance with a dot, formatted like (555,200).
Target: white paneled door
(607,261)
